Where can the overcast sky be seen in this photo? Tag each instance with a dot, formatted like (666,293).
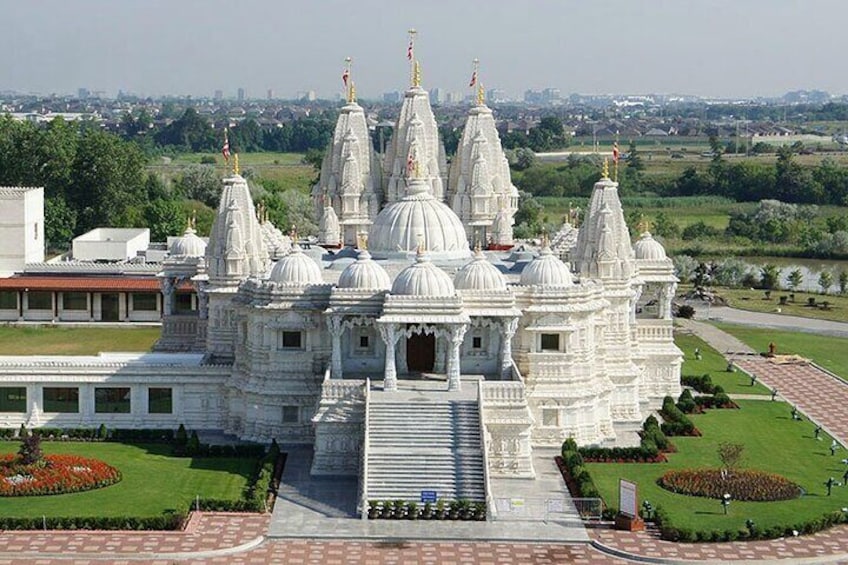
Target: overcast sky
(151,47)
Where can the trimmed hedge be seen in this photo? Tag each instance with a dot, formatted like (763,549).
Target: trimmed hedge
(676,423)
(167,521)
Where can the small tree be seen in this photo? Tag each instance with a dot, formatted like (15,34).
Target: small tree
(30,450)
(769,276)
(794,279)
(730,455)
(843,282)
(825,281)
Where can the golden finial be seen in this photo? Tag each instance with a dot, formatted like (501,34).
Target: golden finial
(352,94)
(477,247)
(236,169)
(416,74)
(362,240)
(293,233)
(604,174)
(481,95)
(644,225)
(188,223)
(546,241)
(348,79)
(194,219)
(421,248)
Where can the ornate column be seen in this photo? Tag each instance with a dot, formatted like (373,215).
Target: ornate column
(402,366)
(334,324)
(668,296)
(389,334)
(439,362)
(202,300)
(637,295)
(507,332)
(167,296)
(455,334)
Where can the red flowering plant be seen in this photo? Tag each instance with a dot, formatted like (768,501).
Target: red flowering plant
(743,484)
(31,473)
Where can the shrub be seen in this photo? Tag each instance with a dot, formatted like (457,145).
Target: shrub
(685,403)
(182,436)
(685,311)
(30,451)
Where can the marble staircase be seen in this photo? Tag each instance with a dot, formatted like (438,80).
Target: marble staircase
(424,444)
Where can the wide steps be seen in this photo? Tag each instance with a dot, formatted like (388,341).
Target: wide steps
(424,445)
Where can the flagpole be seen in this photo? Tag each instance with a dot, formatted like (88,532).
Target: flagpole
(617,153)
(349,82)
(410,54)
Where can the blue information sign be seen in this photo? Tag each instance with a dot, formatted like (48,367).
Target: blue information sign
(428,496)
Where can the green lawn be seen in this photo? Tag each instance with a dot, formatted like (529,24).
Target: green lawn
(715,365)
(56,340)
(755,300)
(773,442)
(829,352)
(152,483)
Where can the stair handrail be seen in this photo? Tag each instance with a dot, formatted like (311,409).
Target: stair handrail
(363,475)
(516,374)
(484,444)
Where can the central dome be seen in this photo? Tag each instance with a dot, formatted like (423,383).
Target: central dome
(649,249)
(365,274)
(546,270)
(419,219)
(479,274)
(296,269)
(423,278)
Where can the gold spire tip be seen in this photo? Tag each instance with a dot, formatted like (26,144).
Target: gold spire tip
(236,170)
(416,74)
(605,173)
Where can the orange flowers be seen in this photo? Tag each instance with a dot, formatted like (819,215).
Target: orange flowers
(57,474)
(745,484)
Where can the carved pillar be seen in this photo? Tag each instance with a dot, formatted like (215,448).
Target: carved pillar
(167,296)
(439,361)
(507,332)
(665,304)
(403,368)
(334,324)
(638,294)
(389,334)
(202,300)
(455,335)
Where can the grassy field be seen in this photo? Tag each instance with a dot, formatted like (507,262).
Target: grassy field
(152,483)
(713,364)
(58,340)
(756,301)
(773,442)
(829,352)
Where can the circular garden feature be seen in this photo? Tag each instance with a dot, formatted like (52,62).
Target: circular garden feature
(744,484)
(31,473)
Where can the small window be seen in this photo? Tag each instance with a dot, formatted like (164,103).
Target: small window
(291,340)
(75,300)
(144,301)
(13,399)
(112,400)
(60,399)
(550,417)
(35,231)
(40,300)
(160,401)
(8,300)
(477,342)
(291,414)
(550,342)
(363,342)
(182,302)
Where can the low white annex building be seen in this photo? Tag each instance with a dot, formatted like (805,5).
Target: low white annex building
(410,340)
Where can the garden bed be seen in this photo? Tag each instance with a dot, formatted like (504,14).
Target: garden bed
(740,484)
(54,474)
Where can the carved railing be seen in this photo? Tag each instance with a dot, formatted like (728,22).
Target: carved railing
(654,330)
(502,391)
(335,389)
(484,444)
(363,464)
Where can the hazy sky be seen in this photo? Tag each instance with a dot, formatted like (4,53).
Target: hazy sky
(711,48)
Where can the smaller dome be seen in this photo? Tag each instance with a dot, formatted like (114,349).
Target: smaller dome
(423,278)
(188,245)
(546,270)
(365,274)
(296,269)
(649,249)
(479,274)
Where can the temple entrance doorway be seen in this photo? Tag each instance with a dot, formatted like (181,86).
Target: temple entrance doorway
(420,352)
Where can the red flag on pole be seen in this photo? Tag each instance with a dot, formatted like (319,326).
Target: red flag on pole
(409,50)
(473,80)
(615,152)
(345,76)
(225,150)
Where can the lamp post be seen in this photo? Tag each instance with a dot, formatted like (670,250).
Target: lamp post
(725,501)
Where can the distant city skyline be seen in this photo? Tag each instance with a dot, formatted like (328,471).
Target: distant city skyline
(720,48)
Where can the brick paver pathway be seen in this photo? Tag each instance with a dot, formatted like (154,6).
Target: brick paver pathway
(830,546)
(820,396)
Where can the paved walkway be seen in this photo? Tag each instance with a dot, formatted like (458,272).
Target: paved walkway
(770,320)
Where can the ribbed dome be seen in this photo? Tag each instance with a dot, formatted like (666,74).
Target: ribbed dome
(479,274)
(188,245)
(365,274)
(546,270)
(419,219)
(296,269)
(423,278)
(649,249)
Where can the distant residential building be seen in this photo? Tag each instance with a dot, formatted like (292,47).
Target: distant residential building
(391,97)
(496,95)
(270,94)
(83,93)
(219,95)
(240,95)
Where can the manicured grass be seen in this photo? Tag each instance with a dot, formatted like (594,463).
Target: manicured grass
(756,301)
(153,482)
(715,365)
(62,340)
(829,352)
(773,442)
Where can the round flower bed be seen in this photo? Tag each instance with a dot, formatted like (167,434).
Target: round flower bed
(55,474)
(745,484)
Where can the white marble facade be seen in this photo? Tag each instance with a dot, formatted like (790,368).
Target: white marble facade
(290,335)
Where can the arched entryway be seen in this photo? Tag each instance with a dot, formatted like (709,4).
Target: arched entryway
(421,352)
